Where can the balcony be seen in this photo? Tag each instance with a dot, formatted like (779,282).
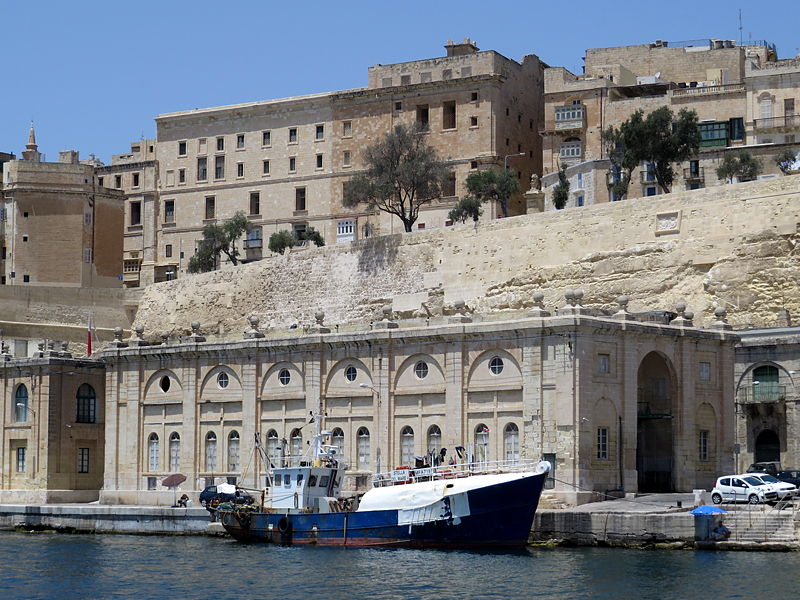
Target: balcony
(250,244)
(710,89)
(569,120)
(777,124)
(648,177)
(763,392)
(694,175)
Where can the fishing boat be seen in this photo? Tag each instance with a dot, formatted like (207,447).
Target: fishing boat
(466,505)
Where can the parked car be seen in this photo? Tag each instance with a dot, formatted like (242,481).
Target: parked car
(789,476)
(214,495)
(209,494)
(785,489)
(736,488)
(765,467)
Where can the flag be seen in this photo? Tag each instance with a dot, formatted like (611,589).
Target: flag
(89,342)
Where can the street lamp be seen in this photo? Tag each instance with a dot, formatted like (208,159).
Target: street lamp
(27,408)
(505,160)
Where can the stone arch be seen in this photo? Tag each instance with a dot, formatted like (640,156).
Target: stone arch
(272,385)
(211,389)
(163,386)
(481,374)
(337,381)
(767,446)
(407,377)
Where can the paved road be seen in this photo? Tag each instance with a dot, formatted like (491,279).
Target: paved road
(652,503)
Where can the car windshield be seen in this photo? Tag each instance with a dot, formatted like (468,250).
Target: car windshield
(753,481)
(769,479)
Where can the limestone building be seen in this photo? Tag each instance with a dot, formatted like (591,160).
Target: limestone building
(284,162)
(726,84)
(53,427)
(57,225)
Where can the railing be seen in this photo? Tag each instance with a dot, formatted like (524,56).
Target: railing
(645,411)
(403,475)
(776,122)
(697,174)
(252,243)
(763,392)
(647,176)
(710,89)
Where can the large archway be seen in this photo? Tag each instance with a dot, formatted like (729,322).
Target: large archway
(654,439)
(768,446)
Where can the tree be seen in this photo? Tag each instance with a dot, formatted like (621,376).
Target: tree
(311,235)
(403,173)
(787,161)
(219,239)
(468,206)
(739,164)
(280,240)
(561,189)
(659,139)
(488,185)
(623,161)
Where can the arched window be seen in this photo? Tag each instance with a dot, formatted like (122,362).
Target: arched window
(407,446)
(337,439)
(511,441)
(153,452)
(362,438)
(86,404)
(21,404)
(481,444)
(571,148)
(434,439)
(175,452)
(765,383)
(233,452)
(273,447)
(296,447)
(211,451)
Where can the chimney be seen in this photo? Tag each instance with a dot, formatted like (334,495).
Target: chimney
(466,47)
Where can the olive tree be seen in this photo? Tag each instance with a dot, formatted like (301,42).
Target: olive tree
(217,240)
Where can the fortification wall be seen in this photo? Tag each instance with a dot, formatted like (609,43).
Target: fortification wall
(735,245)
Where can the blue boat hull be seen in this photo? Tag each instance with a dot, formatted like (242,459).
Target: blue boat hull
(499,516)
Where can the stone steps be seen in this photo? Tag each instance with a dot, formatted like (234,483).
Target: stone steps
(760,527)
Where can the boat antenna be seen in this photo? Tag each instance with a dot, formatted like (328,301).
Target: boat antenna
(263,454)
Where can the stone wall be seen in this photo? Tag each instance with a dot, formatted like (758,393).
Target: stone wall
(732,245)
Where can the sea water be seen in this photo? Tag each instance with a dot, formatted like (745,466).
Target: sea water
(46,565)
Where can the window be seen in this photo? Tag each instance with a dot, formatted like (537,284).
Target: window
(347,128)
(511,442)
(175,452)
(169,211)
(434,439)
(284,377)
(86,404)
(223,380)
(473,121)
(300,199)
(233,452)
(181,148)
(572,112)
(602,443)
(87,255)
(220,144)
(346,158)
(579,201)
(703,445)
(202,169)
(579,183)
(319,161)
(265,169)
(21,404)
(273,446)
(296,445)
(705,371)
(21,459)
(737,128)
(152,483)
(100,181)
(152,446)
(481,443)
(351,373)
(211,208)
(266,138)
(496,365)
(136,180)
(181,175)
(473,164)
(211,451)
(651,190)
(407,446)
(219,167)
(27,278)
(293,135)
(320,132)
(164,384)
(399,105)
(168,251)
(240,169)
(421,370)
(337,440)
(292,165)
(570,149)
(422,116)
(449,185)
(83,460)
(714,134)
(362,448)
(660,388)
(474,97)
(240,141)
(255,203)
(603,363)
(448,115)
(345,230)
(118,181)
(136,213)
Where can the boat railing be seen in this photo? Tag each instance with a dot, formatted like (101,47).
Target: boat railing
(406,474)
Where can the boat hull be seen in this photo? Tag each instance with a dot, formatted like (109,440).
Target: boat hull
(498,516)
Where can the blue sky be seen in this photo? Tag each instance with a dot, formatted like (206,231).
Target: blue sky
(93,75)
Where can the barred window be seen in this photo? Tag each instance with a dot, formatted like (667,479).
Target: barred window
(83,460)
(703,449)
(602,443)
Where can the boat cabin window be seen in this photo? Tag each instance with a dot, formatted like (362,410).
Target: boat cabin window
(287,480)
(299,479)
(323,480)
(312,480)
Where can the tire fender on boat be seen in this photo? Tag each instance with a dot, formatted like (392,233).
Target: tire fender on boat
(285,525)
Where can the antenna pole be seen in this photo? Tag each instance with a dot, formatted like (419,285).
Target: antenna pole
(740,27)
